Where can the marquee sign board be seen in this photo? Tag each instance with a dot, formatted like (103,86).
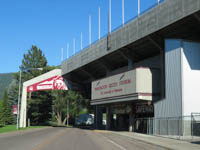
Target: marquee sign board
(117,85)
(144,109)
(138,84)
(53,83)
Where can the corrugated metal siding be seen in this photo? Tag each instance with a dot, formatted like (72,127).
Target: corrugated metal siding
(171,106)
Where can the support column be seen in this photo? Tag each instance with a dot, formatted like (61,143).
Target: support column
(23,109)
(130,64)
(162,69)
(98,117)
(108,118)
(131,122)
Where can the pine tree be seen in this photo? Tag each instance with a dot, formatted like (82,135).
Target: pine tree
(1,114)
(13,92)
(39,106)
(7,111)
(33,59)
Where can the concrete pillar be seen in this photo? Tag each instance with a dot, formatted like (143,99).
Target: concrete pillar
(108,118)
(130,64)
(23,109)
(120,122)
(162,69)
(131,122)
(98,117)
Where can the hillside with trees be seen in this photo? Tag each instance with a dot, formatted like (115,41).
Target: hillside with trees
(5,81)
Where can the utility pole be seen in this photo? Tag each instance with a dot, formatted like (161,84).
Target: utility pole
(61,54)
(99,23)
(81,40)
(90,31)
(74,43)
(67,50)
(19,95)
(67,112)
(123,12)
(138,7)
(110,16)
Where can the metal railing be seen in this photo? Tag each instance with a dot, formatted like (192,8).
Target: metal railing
(184,127)
(117,28)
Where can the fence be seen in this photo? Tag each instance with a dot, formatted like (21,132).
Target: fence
(176,127)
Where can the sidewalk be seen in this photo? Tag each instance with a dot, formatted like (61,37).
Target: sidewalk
(163,142)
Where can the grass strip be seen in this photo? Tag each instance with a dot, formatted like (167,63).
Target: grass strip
(11,128)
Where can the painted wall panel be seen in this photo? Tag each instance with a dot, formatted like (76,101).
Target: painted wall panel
(191,77)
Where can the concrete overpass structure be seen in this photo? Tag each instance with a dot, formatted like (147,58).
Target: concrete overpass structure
(141,42)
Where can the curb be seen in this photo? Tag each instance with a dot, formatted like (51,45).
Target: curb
(144,141)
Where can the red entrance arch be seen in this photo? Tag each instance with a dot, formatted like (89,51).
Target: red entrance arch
(49,81)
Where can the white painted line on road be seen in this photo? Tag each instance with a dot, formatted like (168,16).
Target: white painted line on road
(117,145)
(110,141)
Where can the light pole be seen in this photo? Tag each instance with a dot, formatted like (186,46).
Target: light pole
(138,7)
(19,93)
(68,112)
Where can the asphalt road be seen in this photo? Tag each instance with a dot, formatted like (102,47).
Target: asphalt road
(70,139)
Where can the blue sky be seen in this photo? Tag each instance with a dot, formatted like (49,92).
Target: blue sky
(51,24)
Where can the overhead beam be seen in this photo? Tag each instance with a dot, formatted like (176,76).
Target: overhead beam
(197,17)
(106,64)
(123,55)
(131,53)
(87,73)
(103,65)
(155,43)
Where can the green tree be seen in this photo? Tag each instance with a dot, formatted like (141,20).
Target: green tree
(33,59)
(7,111)
(1,114)
(60,106)
(76,105)
(40,103)
(13,92)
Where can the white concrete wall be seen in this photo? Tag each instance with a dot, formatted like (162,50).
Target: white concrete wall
(191,78)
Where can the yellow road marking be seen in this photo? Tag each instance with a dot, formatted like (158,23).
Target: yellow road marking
(100,131)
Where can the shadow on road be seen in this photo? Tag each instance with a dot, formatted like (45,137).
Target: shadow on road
(195,142)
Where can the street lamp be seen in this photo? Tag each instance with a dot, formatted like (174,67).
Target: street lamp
(19,93)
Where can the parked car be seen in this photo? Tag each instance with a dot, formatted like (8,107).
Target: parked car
(85,119)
